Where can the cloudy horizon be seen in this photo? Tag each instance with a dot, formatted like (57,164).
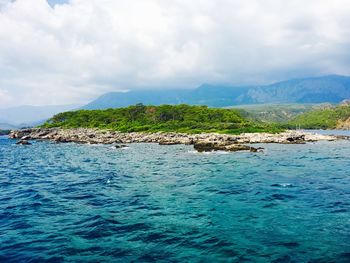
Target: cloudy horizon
(69,52)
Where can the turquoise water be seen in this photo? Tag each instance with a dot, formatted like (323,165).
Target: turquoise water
(150,203)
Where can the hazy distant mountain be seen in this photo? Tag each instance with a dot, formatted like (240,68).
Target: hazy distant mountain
(6,126)
(331,88)
(30,115)
(122,99)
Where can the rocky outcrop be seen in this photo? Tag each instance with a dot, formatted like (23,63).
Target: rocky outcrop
(120,146)
(207,146)
(343,124)
(295,140)
(23,142)
(201,142)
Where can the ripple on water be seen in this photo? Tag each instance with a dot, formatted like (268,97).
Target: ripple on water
(67,202)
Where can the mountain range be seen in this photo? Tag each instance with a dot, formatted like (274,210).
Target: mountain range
(332,88)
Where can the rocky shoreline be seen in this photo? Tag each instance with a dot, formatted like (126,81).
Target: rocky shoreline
(201,142)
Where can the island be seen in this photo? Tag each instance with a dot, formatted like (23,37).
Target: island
(207,129)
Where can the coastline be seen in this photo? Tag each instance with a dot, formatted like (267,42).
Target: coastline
(201,142)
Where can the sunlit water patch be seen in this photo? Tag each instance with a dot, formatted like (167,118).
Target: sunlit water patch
(147,203)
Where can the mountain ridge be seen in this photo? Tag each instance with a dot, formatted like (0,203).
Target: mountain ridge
(329,88)
(312,90)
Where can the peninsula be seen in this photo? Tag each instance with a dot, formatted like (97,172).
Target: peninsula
(205,128)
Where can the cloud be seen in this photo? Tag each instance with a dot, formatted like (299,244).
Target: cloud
(4,96)
(70,53)
(52,3)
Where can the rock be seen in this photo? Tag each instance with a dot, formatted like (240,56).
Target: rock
(343,124)
(23,142)
(296,139)
(61,139)
(345,103)
(239,147)
(208,146)
(255,150)
(343,137)
(119,146)
(260,149)
(202,142)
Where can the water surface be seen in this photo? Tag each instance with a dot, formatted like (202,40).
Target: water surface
(147,203)
(331,132)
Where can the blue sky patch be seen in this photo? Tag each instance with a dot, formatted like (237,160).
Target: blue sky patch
(57,2)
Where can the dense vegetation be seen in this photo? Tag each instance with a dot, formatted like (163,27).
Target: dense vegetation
(196,119)
(321,119)
(179,118)
(279,113)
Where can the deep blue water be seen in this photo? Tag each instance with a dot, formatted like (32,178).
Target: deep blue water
(150,203)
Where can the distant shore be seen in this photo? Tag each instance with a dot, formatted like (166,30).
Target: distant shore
(201,142)
(4,132)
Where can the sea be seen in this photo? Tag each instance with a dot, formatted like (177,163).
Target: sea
(151,203)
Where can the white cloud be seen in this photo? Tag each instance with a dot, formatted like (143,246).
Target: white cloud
(5,97)
(73,52)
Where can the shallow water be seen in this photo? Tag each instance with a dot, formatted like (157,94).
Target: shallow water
(146,203)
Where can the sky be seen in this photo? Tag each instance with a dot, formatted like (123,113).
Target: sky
(70,52)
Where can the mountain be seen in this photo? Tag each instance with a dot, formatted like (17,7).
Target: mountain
(282,112)
(214,95)
(6,126)
(332,88)
(123,99)
(30,115)
(332,117)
